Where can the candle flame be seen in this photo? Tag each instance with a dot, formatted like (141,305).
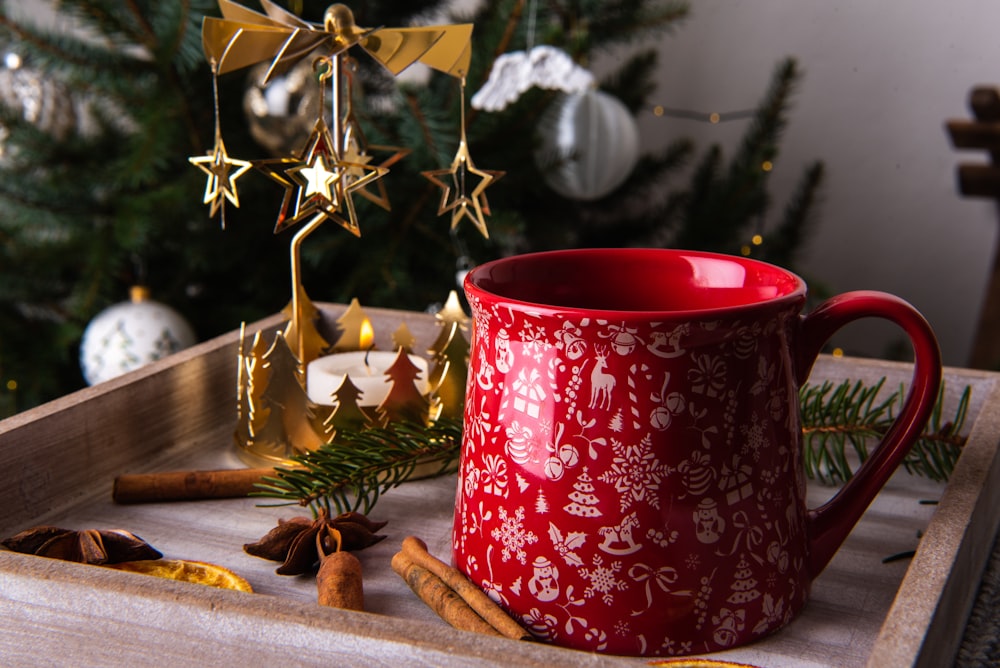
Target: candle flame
(366,337)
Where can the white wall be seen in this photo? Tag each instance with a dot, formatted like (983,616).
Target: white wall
(880,79)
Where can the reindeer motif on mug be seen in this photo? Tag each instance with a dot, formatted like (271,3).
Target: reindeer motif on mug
(601,382)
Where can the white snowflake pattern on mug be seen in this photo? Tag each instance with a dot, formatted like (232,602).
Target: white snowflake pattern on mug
(635,473)
(603,579)
(512,535)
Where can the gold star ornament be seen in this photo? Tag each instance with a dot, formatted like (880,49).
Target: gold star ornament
(322,184)
(222,172)
(455,195)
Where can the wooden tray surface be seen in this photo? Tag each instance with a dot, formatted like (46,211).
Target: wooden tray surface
(179,413)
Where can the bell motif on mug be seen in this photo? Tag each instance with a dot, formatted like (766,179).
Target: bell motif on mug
(623,339)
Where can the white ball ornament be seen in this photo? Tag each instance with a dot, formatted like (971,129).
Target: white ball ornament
(589,144)
(130,334)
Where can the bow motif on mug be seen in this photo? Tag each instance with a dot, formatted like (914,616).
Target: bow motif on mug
(664,577)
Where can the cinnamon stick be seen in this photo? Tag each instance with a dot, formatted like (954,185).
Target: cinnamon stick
(339,582)
(440,598)
(186,485)
(415,552)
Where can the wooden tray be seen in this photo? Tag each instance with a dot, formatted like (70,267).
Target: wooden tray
(179,413)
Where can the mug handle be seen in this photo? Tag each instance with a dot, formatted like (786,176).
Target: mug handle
(829,525)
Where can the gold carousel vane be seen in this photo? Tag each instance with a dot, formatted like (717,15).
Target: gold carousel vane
(243,37)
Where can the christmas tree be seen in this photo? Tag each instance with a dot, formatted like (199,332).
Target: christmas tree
(102,108)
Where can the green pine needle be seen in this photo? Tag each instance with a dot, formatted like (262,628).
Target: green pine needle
(839,419)
(353,471)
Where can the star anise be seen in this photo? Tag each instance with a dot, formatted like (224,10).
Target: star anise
(300,542)
(90,546)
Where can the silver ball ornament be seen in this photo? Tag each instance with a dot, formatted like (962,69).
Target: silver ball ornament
(281,113)
(589,144)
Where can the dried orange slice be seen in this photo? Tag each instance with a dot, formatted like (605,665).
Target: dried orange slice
(183,570)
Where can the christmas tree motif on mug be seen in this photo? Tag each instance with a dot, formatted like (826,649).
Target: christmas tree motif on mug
(583,501)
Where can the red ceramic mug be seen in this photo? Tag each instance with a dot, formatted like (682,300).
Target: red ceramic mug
(631,476)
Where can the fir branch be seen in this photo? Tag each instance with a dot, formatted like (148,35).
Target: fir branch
(354,470)
(838,420)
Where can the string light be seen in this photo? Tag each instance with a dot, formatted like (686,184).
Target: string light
(837,352)
(11,385)
(713,117)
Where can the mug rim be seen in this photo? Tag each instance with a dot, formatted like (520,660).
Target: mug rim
(472,288)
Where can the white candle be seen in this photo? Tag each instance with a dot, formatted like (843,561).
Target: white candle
(366,369)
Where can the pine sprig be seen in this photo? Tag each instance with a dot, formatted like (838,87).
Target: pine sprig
(353,471)
(839,419)
(839,422)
